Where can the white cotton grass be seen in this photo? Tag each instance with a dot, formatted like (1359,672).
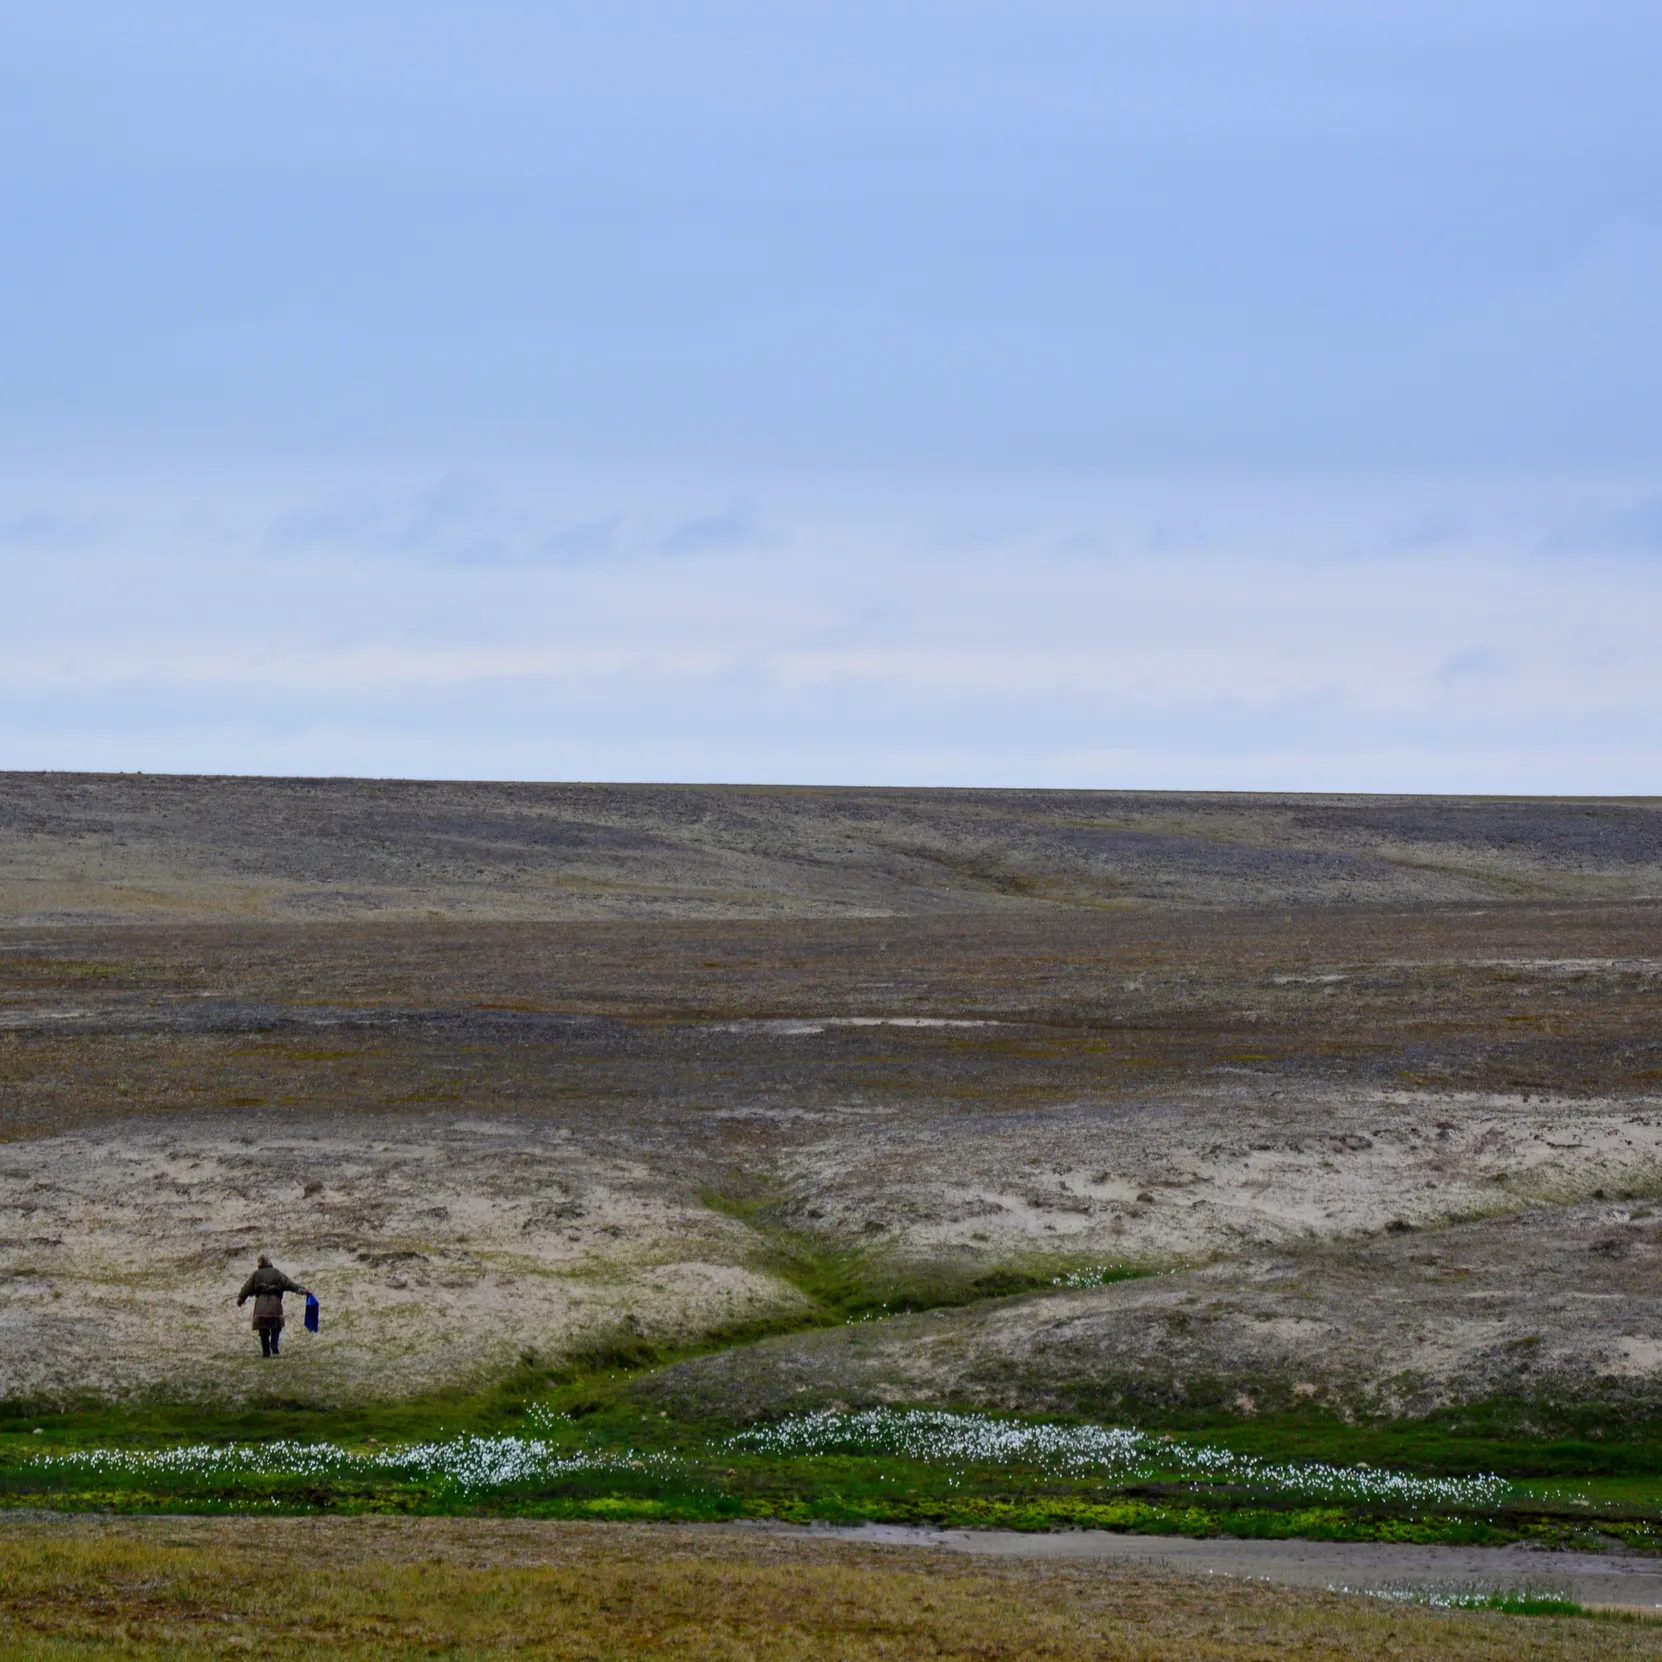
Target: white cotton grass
(472,1464)
(935,1437)
(477,1465)
(1461,1595)
(1094,1275)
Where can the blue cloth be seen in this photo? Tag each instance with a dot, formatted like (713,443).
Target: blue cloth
(311,1312)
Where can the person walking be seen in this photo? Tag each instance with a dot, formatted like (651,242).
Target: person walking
(266,1287)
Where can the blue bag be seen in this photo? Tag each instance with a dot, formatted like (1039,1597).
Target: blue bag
(311,1312)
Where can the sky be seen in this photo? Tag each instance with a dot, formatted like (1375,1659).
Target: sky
(1211,394)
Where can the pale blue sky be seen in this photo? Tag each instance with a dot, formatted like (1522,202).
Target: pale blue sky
(1198,393)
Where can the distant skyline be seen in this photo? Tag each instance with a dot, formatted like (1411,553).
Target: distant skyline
(1064,393)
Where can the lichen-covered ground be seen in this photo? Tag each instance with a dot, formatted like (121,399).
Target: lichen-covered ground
(107,847)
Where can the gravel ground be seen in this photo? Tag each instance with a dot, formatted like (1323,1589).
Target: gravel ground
(1598,1581)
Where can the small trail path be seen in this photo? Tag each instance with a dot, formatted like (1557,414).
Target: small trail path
(1610,1581)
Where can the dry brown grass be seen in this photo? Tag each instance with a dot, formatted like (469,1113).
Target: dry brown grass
(353,1588)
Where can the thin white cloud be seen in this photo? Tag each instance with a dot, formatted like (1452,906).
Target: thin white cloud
(989,631)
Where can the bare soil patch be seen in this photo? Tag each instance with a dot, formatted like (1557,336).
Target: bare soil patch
(443,1253)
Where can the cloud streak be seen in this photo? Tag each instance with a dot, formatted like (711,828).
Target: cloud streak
(732,527)
(1288,635)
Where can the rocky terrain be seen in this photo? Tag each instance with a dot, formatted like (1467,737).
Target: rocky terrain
(504,1068)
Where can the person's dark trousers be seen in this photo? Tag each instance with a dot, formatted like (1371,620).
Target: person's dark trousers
(268,1340)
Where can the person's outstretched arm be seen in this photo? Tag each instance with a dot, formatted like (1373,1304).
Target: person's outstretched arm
(246,1293)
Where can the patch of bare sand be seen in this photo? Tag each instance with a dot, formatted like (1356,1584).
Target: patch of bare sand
(440,1254)
(1170,1183)
(444,1251)
(1556,1305)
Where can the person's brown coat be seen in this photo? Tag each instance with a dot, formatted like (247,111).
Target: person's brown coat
(266,1287)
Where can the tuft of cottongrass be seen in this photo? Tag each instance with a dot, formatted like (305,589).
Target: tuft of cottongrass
(940,1438)
(1096,1275)
(473,1464)
(932,1437)
(1512,1601)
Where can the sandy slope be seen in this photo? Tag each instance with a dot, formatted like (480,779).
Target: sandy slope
(1555,1305)
(1181,1181)
(440,1253)
(444,1250)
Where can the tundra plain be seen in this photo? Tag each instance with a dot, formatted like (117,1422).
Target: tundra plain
(1375,1084)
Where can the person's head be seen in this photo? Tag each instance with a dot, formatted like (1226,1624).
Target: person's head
(265,1263)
